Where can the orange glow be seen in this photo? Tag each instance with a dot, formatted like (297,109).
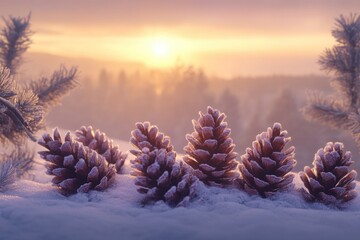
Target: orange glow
(161,48)
(164,49)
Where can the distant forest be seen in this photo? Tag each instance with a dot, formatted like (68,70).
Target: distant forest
(172,98)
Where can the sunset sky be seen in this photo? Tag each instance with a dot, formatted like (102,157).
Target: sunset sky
(225,38)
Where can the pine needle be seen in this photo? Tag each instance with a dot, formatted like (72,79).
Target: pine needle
(14,165)
(51,90)
(14,41)
(6,84)
(22,160)
(7,175)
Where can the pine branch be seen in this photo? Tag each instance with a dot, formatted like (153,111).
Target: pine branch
(7,175)
(347,30)
(354,127)
(51,90)
(325,110)
(14,165)
(338,59)
(341,110)
(28,104)
(6,84)
(14,41)
(22,160)
(17,119)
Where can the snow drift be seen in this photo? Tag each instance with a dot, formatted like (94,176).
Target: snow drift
(33,209)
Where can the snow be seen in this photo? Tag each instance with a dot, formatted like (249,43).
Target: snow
(33,209)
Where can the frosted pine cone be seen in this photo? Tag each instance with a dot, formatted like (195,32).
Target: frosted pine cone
(330,180)
(76,168)
(158,175)
(149,136)
(99,142)
(210,150)
(265,168)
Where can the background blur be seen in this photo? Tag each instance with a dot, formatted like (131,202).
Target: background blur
(163,61)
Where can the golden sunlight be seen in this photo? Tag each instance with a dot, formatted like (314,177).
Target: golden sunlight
(161,51)
(161,48)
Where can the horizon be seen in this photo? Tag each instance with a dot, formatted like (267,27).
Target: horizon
(224,39)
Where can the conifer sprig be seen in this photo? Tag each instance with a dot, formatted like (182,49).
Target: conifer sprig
(340,110)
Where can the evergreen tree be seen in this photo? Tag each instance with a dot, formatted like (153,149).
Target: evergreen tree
(341,110)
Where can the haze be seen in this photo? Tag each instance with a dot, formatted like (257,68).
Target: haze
(164,61)
(225,38)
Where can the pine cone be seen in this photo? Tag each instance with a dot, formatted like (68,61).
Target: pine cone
(210,150)
(99,142)
(76,168)
(330,181)
(158,175)
(266,167)
(149,136)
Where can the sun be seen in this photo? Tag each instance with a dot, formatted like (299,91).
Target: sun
(161,51)
(161,48)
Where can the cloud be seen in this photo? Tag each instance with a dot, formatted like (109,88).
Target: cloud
(229,15)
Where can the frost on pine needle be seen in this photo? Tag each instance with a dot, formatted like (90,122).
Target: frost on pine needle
(14,165)
(22,159)
(28,104)
(103,145)
(22,108)
(158,174)
(342,109)
(7,175)
(210,150)
(7,88)
(51,90)
(13,125)
(330,180)
(14,41)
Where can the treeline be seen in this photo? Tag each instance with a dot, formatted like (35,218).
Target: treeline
(172,98)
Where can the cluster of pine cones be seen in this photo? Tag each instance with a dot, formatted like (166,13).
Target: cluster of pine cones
(91,161)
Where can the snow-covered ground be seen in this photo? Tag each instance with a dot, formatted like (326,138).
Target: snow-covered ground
(33,209)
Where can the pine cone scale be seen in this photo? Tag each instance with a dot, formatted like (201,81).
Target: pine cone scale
(338,192)
(268,164)
(347,178)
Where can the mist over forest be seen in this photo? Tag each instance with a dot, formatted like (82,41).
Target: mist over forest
(170,98)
